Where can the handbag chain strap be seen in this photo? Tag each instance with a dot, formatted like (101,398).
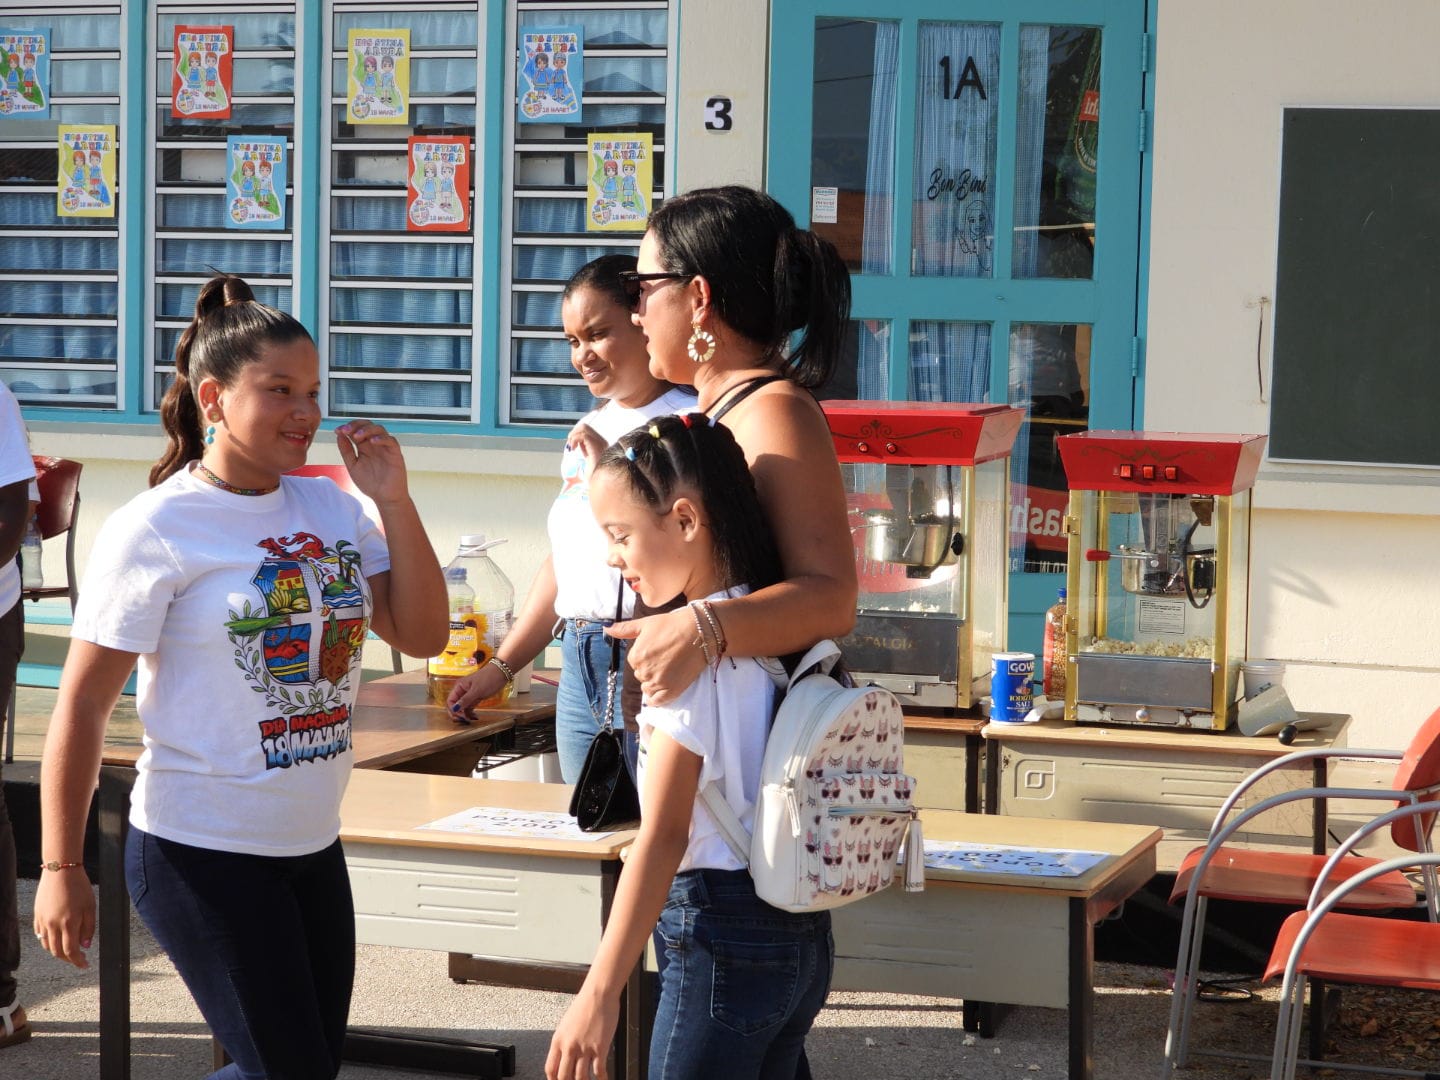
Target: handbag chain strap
(613,679)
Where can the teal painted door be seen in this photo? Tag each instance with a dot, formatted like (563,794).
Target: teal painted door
(979,167)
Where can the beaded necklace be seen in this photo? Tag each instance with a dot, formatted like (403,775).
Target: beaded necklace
(209,477)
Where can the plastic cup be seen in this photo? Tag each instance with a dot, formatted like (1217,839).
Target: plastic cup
(522,678)
(1258,674)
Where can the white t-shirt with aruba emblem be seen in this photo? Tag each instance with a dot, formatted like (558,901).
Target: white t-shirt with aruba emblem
(249,614)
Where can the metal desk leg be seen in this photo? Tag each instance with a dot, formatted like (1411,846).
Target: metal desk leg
(1082,991)
(1320,777)
(114,924)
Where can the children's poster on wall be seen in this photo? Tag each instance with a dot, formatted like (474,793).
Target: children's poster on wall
(552,75)
(379,77)
(87,171)
(255,182)
(200,78)
(25,74)
(619,183)
(437,194)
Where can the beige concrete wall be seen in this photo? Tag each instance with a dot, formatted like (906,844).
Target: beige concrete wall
(723,49)
(1341,590)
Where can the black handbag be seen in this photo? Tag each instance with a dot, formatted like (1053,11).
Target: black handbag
(604,794)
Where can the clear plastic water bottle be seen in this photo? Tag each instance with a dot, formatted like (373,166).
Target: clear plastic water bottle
(32,575)
(482,607)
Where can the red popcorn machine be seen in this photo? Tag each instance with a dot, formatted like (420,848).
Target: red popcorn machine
(928,488)
(1157,575)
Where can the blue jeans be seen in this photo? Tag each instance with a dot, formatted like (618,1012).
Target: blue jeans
(266,947)
(740,981)
(581,698)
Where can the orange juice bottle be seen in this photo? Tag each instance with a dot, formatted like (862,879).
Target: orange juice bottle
(459,657)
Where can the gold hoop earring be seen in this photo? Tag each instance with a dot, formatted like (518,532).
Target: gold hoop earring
(701,345)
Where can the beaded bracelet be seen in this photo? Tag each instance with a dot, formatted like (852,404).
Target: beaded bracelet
(54,864)
(721,645)
(505,669)
(700,637)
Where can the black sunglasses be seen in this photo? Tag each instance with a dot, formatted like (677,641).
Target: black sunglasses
(630,281)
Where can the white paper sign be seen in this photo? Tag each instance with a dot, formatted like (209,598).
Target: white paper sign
(1161,616)
(1002,859)
(501,821)
(824,205)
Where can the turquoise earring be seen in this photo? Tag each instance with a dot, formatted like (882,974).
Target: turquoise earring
(210,431)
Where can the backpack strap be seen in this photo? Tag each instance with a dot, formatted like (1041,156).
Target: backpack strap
(736,838)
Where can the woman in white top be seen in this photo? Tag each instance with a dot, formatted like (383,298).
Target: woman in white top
(574,583)
(246,596)
(740,982)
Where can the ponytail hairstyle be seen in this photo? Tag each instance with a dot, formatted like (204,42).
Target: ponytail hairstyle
(229,330)
(603,275)
(767,278)
(687,455)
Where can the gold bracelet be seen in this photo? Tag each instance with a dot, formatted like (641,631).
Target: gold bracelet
(55,864)
(505,669)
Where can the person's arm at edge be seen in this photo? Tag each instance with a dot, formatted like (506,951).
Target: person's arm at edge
(533,629)
(90,684)
(582,1041)
(15,508)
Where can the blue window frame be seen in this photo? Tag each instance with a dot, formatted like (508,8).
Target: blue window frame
(981,173)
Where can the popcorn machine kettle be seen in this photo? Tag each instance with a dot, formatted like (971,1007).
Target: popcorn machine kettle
(928,486)
(1158,575)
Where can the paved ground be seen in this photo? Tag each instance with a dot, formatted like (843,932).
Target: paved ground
(858,1036)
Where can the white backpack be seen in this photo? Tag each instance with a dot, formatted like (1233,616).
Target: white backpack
(834,808)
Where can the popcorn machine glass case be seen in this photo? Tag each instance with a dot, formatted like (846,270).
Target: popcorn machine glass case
(928,491)
(1158,575)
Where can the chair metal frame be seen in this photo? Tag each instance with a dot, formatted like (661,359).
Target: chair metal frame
(1192,922)
(1321,903)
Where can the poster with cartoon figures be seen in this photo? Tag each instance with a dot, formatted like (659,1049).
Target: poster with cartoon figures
(437,196)
(552,75)
(378,77)
(297,642)
(87,171)
(255,182)
(619,183)
(200,78)
(25,74)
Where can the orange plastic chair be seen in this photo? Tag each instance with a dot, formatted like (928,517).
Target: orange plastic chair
(1278,877)
(59,509)
(1320,943)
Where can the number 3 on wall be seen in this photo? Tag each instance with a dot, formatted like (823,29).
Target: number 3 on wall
(717,114)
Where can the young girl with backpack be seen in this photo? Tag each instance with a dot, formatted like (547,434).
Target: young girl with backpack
(740,981)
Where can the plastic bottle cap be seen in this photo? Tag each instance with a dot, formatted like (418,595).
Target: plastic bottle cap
(477,544)
(1062,593)
(473,540)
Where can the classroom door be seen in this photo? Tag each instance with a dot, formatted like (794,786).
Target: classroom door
(979,167)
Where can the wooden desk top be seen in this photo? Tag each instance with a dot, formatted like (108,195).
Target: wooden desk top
(395,722)
(1331,734)
(1127,844)
(386,807)
(969,724)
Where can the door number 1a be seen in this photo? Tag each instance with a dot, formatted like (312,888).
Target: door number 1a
(969,76)
(717,114)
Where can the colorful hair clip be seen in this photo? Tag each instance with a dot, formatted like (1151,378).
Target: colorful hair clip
(629,453)
(654,430)
(687,419)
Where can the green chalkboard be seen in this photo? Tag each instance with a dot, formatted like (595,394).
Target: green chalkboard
(1357,297)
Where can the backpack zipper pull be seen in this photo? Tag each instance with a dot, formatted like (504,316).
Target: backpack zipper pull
(914,856)
(794,805)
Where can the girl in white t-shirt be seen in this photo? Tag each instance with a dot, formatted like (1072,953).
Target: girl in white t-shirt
(573,583)
(246,595)
(740,981)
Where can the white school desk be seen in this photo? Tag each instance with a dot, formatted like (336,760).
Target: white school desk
(1002,938)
